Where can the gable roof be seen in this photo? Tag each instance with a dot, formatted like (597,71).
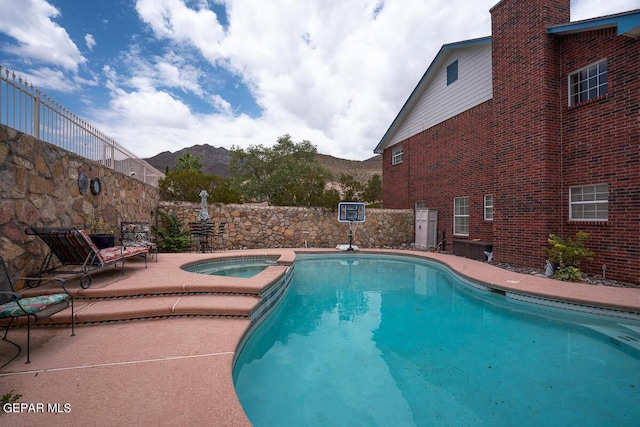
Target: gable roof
(423,83)
(627,23)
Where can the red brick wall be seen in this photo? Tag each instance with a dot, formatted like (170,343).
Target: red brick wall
(601,144)
(453,159)
(526,127)
(527,147)
(395,194)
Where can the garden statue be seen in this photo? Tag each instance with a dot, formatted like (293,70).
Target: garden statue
(548,270)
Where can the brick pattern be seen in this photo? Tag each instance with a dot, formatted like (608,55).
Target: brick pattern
(440,163)
(601,144)
(526,124)
(527,146)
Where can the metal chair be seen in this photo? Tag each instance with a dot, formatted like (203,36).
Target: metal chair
(201,235)
(220,235)
(14,306)
(138,234)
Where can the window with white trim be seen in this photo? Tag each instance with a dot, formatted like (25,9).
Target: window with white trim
(589,203)
(488,207)
(588,83)
(461,216)
(396,155)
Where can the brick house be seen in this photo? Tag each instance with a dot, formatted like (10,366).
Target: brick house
(534,130)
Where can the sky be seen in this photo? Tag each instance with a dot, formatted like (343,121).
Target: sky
(161,75)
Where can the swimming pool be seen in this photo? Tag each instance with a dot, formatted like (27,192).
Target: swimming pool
(386,340)
(245,267)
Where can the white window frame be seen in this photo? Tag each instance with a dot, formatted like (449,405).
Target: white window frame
(589,203)
(461,216)
(396,155)
(488,207)
(588,83)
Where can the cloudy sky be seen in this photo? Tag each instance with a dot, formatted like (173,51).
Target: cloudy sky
(161,75)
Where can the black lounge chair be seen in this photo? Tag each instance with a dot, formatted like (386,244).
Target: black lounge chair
(72,247)
(14,306)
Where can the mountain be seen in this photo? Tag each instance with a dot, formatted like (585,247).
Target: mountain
(215,161)
(362,170)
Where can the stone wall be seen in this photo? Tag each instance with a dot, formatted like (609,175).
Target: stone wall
(259,226)
(39,187)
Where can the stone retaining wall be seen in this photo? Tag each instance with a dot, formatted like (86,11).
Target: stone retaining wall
(258,226)
(39,187)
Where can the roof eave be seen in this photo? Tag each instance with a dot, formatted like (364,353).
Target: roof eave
(627,23)
(412,98)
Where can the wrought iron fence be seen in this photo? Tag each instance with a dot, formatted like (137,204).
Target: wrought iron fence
(27,109)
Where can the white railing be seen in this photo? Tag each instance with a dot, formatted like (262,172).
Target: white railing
(26,109)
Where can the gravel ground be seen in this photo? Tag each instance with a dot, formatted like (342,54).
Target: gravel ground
(586,278)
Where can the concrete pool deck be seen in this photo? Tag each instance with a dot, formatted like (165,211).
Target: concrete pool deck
(156,346)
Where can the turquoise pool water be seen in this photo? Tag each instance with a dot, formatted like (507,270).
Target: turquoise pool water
(364,340)
(233,267)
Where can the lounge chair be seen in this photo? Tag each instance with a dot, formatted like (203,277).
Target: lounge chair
(13,306)
(138,234)
(72,247)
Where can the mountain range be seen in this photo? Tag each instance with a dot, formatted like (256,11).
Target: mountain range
(215,161)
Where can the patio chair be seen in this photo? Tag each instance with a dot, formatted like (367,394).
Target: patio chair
(138,234)
(71,247)
(220,236)
(13,306)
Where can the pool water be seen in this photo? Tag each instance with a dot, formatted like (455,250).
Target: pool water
(235,267)
(365,340)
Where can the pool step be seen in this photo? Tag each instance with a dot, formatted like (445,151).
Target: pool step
(153,306)
(623,336)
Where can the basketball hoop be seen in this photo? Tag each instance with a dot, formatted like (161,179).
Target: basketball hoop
(352,213)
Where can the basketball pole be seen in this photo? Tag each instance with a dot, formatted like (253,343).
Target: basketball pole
(350,236)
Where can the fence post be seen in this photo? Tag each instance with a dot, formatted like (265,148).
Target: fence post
(36,115)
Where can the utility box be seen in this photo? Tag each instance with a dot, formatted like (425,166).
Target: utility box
(426,232)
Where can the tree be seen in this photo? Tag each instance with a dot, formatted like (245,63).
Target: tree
(188,162)
(185,185)
(373,192)
(352,189)
(287,174)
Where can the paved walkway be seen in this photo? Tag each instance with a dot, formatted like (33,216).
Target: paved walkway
(164,370)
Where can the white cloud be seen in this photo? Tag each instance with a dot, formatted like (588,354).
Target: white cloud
(173,20)
(30,23)
(333,72)
(89,41)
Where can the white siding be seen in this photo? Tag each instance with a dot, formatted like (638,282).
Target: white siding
(439,102)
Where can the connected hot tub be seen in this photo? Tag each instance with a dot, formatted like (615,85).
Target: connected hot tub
(233,267)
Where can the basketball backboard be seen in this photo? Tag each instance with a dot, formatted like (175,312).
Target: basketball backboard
(351,212)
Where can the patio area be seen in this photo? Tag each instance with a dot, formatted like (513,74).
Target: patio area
(156,346)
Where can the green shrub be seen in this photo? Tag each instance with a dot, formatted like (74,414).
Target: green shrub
(566,254)
(566,251)
(172,238)
(11,397)
(568,273)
